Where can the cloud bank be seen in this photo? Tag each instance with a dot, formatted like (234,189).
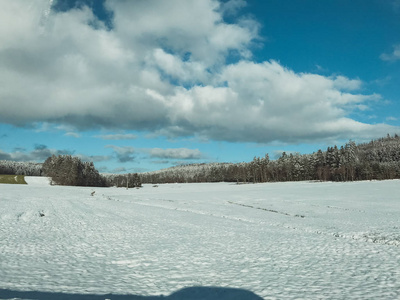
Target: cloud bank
(175,153)
(119,136)
(175,68)
(39,153)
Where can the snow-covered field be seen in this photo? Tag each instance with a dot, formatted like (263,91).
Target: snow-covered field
(221,241)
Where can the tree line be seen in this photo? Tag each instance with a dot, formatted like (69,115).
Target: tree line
(8,167)
(129,180)
(378,159)
(70,171)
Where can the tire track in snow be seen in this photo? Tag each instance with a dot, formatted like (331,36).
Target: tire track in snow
(369,237)
(199,212)
(268,210)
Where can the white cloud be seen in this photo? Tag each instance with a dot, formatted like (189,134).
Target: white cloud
(119,136)
(343,83)
(73,73)
(232,7)
(188,26)
(73,134)
(267,102)
(391,119)
(172,65)
(395,55)
(175,153)
(162,68)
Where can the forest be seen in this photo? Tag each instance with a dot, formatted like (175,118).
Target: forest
(377,160)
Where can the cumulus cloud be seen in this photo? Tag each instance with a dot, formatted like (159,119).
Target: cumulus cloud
(267,102)
(183,71)
(175,153)
(123,154)
(395,55)
(168,76)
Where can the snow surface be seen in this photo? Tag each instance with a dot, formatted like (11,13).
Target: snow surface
(304,240)
(37,181)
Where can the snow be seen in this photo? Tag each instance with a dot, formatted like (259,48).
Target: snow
(303,240)
(37,181)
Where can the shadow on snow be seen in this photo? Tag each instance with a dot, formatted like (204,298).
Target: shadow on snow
(191,293)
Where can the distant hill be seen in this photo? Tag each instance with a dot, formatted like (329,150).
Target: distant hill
(187,173)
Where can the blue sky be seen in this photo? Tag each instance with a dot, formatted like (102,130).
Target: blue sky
(143,85)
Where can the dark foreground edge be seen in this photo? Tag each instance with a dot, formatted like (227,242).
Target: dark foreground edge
(191,293)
